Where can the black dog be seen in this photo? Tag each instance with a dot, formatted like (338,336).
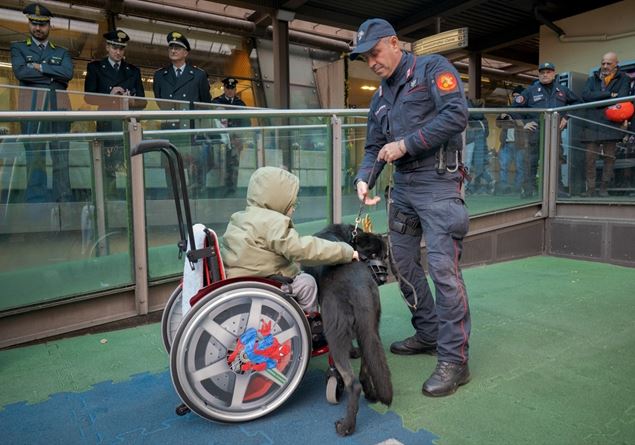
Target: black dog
(350,307)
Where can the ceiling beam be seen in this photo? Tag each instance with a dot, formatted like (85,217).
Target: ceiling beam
(505,37)
(427,17)
(513,55)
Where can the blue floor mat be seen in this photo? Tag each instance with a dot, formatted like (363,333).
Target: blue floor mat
(141,410)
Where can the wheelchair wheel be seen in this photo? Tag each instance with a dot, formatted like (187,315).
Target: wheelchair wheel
(172,317)
(240,353)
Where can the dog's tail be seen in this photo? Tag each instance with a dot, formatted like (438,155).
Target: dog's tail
(374,359)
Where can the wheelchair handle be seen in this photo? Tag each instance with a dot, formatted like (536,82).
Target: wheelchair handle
(179,186)
(149,145)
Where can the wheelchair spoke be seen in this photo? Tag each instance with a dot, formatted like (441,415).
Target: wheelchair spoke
(220,367)
(275,376)
(288,334)
(240,387)
(255,313)
(219,333)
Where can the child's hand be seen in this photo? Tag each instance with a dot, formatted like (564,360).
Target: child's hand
(355,255)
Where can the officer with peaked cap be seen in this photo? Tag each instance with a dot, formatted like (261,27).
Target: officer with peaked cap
(415,122)
(235,147)
(544,93)
(180,81)
(113,75)
(39,63)
(181,85)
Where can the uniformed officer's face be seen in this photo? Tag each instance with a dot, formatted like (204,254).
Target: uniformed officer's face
(115,52)
(384,57)
(230,92)
(177,54)
(546,76)
(40,30)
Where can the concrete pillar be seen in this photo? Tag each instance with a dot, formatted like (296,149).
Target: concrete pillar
(280,25)
(474,76)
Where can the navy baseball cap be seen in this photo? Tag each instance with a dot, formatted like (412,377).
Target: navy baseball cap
(369,33)
(546,66)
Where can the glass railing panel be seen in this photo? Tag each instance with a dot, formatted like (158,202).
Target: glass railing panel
(597,161)
(503,155)
(64,215)
(56,240)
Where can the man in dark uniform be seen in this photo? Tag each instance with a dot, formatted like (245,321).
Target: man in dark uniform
(182,84)
(39,63)
(601,140)
(545,93)
(232,160)
(415,122)
(114,76)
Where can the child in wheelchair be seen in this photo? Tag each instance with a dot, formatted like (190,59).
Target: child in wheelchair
(262,241)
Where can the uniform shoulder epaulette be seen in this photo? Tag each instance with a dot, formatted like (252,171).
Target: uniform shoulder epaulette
(54,46)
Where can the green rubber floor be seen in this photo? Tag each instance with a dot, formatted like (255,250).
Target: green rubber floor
(552,359)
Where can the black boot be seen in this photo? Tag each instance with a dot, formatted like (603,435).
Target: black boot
(446,379)
(412,345)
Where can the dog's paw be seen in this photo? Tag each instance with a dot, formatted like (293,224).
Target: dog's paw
(343,428)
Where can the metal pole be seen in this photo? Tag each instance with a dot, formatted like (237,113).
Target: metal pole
(260,153)
(546,182)
(554,164)
(100,202)
(135,136)
(336,170)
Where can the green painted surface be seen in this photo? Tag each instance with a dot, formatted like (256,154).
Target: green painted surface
(551,358)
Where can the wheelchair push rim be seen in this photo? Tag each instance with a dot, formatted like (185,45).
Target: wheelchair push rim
(240,353)
(172,317)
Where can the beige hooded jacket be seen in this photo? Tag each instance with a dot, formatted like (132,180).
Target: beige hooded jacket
(261,240)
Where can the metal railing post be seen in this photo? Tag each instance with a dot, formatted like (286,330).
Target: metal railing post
(260,150)
(100,202)
(545,167)
(336,170)
(135,135)
(554,156)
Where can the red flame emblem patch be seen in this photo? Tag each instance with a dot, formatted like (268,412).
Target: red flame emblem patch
(446,82)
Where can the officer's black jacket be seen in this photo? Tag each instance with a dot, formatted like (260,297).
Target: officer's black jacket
(422,103)
(101,78)
(191,86)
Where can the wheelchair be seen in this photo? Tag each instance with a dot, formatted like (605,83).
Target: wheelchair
(243,346)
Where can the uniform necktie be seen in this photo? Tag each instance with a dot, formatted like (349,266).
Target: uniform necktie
(178,73)
(116,66)
(41,45)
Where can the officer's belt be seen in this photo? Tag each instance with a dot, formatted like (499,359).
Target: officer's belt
(413,164)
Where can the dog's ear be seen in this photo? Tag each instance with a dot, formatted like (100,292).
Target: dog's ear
(371,244)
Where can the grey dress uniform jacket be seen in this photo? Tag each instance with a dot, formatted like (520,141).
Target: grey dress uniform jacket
(57,71)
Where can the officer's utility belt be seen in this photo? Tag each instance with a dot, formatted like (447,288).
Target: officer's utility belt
(448,158)
(414,164)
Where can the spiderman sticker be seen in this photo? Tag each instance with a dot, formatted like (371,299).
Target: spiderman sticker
(257,350)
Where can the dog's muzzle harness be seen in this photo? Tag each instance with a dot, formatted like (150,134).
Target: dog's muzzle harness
(377,266)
